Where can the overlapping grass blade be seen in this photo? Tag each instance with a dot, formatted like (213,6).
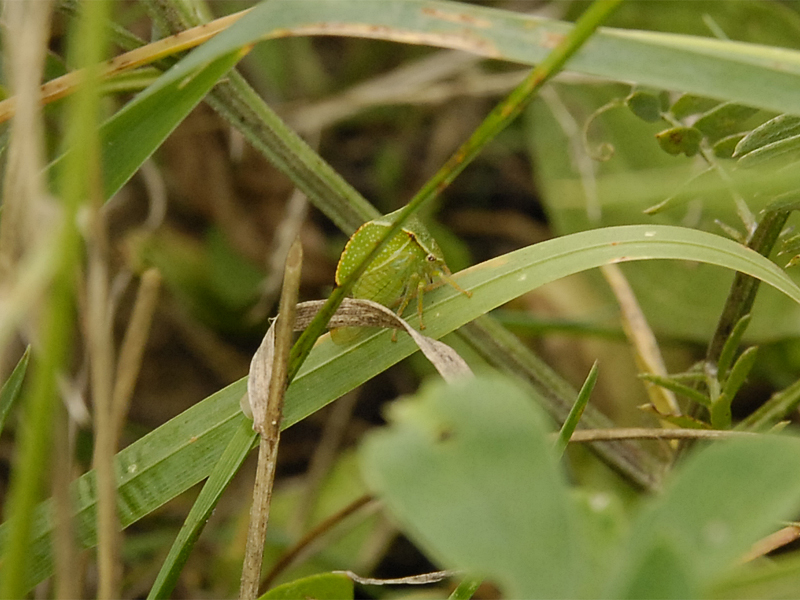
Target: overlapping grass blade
(183,451)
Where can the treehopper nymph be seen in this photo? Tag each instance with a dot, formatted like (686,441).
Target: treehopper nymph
(410,264)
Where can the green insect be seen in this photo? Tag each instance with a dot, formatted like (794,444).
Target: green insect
(410,264)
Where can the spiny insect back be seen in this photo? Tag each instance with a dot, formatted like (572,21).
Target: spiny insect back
(410,264)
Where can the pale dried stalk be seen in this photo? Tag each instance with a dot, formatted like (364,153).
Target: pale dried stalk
(642,433)
(66,84)
(645,347)
(269,428)
(133,345)
(423,579)
(772,542)
(26,34)
(101,354)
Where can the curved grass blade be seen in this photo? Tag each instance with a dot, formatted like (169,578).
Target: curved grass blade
(497,120)
(137,130)
(750,74)
(132,135)
(182,452)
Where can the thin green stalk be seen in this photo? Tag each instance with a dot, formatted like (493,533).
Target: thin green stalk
(741,296)
(36,424)
(744,288)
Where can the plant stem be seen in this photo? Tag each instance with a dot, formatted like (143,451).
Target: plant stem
(270,434)
(744,287)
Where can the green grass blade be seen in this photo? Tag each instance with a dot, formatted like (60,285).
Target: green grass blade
(731,346)
(182,452)
(228,465)
(759,76)
(678,388)
(499,280)
(777,408)
(141,126)
(721,407)
(465,589)
(12,387)
(322,586)
(137,130)
(711,514)
(150,472)
(571,423)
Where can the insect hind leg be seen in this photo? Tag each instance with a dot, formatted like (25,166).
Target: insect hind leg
(411,288)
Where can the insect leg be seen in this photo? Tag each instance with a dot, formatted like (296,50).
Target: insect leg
(420,291)
(408,293)
(444,274)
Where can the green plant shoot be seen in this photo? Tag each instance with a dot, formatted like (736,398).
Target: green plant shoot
(410,264)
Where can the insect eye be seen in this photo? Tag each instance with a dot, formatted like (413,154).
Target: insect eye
(430,258)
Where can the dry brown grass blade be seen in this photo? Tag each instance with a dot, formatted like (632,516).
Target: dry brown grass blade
(66,84)
(269,392)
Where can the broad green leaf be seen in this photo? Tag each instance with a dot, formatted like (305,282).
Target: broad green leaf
(325,586)
(468,470)
(604,527)
(726,147)
(660,572)
(719,503)
(182,452)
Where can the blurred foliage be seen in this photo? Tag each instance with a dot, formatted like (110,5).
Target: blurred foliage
(209,214)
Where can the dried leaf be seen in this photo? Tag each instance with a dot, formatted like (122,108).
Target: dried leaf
(351,313)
